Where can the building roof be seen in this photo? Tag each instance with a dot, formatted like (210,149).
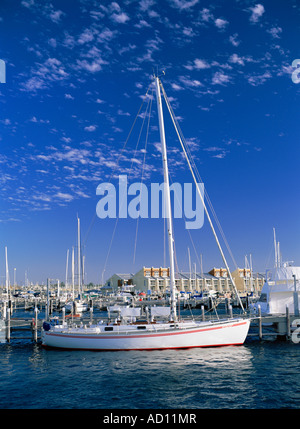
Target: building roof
(199,276)
(126,276)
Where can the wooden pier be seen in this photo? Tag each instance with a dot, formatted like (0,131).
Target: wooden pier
(283,326)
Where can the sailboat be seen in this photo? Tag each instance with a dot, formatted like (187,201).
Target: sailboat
(78,305)
(163,329)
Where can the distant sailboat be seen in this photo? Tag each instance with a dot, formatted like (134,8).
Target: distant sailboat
(127,332)
(77,305)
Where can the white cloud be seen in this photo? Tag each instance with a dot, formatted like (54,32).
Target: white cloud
(114,6)
(275,32)
(152,45)
(33,84)
(256,80)
(92,67)
(106,35)
(27,3)
(220,78)
(188,31)
(215,149)
(235,59)
(64,196)
(51,70)
(42,197)
(206,15)
(233,40)
(120,18)
(90,128)
(257,11)
(221,23)
(220,155)
(121,113)
(184,4)
(142,23)
(190,83)
(52,42)
(176,87)
(86,36)
(56,15)
(146,4)
(200,64)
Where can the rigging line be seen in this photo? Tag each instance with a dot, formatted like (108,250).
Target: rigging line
(204,205)
(192,241)
(180,202)
(200,180)
(117,218)
(142,178)
(117,163)
(175,195)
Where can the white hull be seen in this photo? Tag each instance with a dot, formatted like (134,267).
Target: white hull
(280,291)
(150,337)
(80,307)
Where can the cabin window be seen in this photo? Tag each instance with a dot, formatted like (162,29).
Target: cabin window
(141,327)
(108,328)
(263,297)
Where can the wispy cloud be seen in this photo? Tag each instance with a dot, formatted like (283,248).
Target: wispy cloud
(275,32)
(220,78)
(259,79)
(256,12)
(216,152)
(234,40)
(183,4)
(198,64)
(51,70)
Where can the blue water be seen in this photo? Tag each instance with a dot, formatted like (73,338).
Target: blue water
(257,375)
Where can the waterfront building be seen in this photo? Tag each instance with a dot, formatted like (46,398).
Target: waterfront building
(157,281)
(118,280)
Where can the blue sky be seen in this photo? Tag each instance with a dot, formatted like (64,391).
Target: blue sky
(76,73)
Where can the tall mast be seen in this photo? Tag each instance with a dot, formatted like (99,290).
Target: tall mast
(67,266)
(168,199)
(275,249)
(6,272)
(73,273)
(78,240)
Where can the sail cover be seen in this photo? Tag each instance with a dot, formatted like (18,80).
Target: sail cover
(130,312)
(160,311)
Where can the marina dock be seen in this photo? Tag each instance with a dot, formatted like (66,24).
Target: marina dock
(263,327)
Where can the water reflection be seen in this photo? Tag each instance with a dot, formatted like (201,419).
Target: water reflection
(225,377)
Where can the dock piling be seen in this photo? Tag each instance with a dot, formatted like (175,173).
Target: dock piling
(8,325)
(35,325)
(259,323)
(203,315)
(288,323)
